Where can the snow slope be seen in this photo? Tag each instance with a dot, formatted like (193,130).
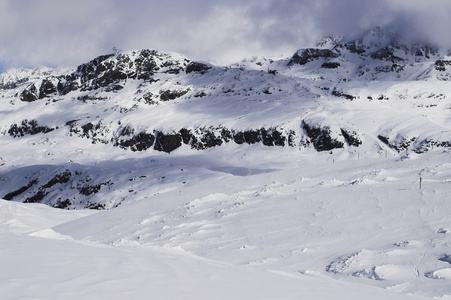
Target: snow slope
(299,227)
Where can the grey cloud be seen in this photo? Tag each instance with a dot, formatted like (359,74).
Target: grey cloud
(65,32)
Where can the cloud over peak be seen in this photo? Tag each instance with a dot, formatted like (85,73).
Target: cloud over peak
(49,32)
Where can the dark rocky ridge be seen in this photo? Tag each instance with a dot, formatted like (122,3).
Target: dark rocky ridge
(50,190)
(109,73)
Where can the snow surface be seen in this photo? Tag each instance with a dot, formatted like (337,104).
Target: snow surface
(301,227)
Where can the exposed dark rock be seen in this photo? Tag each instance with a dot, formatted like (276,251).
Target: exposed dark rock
(197,67)
(109,70)
(145,64)
(187,137)
(148,98)
(291,139)
(386,53)
(423,50)
(337,93)
(88,190)
(272,137)
(58,178)
(441,64)
(200,94)
(140,142)
(114,88)
(249,137)
(446,258)
(399,144)
(27,127)
(171,95)
(310,54)
(355,47)
(29,94)
(68,85)
(96,132)
(204,138)
(321,137)
(38,197)
(167,142)
(47,88)
(20,190)
(62,203)
(351,137)
(330,65)
(96,206)
(209,140)
(384,139)
(13,85)
(226,135)
(86,98)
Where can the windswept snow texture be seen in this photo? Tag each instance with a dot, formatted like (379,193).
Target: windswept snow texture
(323,175)
(240,231)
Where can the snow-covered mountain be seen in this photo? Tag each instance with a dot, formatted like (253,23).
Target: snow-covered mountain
(306,165)
(368,95)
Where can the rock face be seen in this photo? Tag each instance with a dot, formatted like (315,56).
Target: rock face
(322,137)
(27,127)
(107,71)
(198,67)
(52,186)
(29,94)
(304,56)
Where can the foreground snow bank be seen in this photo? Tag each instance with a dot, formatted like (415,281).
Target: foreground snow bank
(44,265)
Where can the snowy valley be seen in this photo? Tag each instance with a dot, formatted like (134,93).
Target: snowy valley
(322,175)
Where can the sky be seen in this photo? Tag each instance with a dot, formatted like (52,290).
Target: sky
(67,33)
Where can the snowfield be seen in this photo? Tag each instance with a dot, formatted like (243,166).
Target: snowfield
(301,227)
(143,174)
(246,232)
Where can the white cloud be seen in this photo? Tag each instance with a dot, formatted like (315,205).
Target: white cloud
(66,32)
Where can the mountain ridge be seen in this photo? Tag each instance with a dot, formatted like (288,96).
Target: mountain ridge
(359,98)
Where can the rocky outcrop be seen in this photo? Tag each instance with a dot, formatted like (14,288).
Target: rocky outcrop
(330,65)
(322,137)
(108,72)
(55,186)
(197,67)
(351,137)
(387,54)
(402,143)
(305,56)
(172,94)
(30,127)
(442,64)
(167,142)
(29,94)
(48,87)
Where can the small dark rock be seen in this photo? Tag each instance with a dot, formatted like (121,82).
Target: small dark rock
(310,54)
(197,67)
(330,65)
